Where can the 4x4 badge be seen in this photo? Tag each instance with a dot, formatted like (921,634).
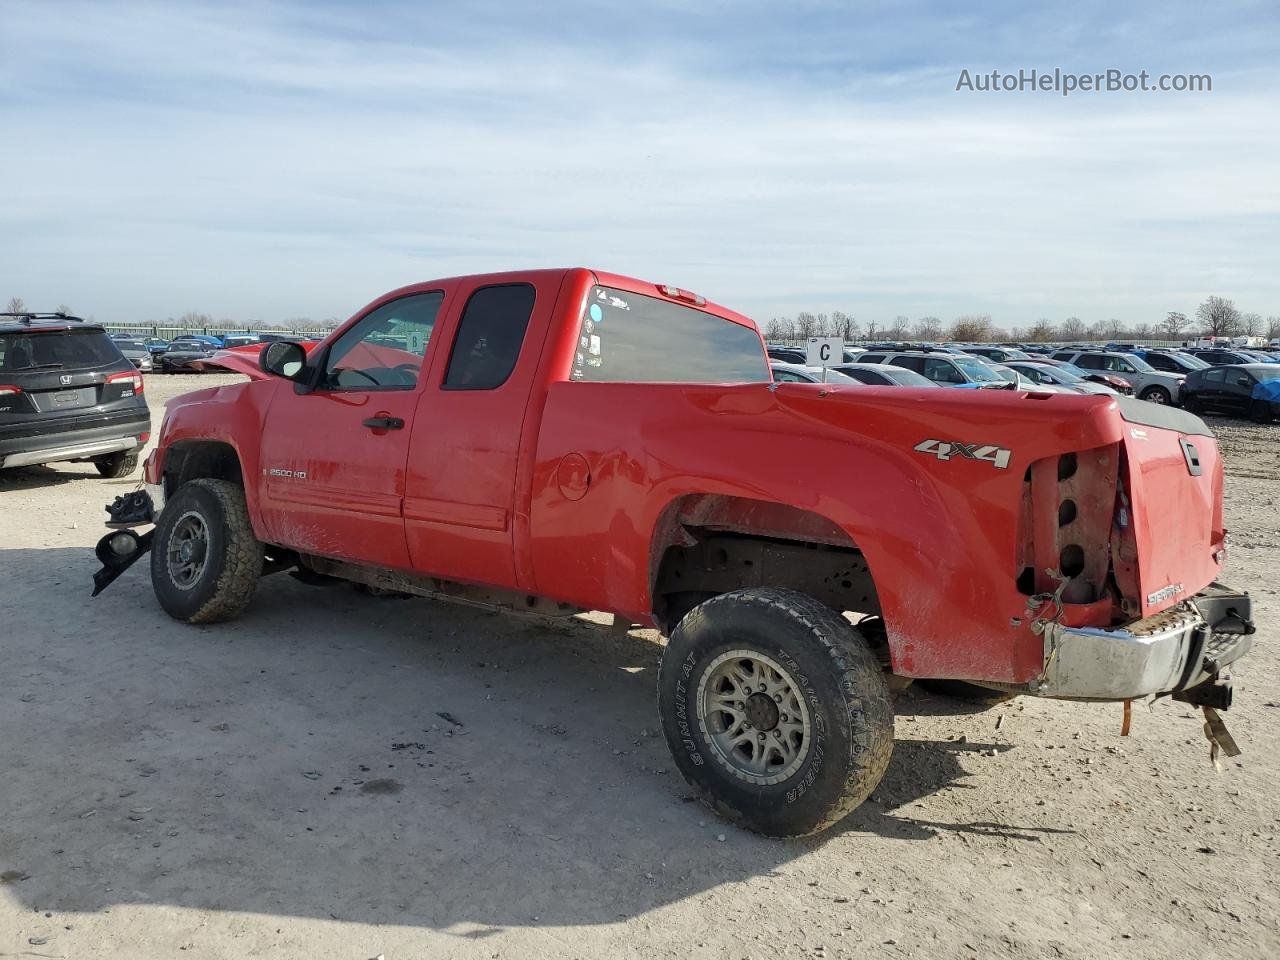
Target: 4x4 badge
(947,449)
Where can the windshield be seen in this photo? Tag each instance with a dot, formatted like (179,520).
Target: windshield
(56,350)
(1139,364)
(977,370)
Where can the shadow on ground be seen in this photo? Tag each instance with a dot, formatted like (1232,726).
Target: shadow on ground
(383,761)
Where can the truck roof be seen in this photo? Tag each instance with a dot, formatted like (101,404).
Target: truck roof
(682,295)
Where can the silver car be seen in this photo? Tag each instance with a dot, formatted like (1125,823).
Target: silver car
(136,353)
(1046,374)
(1148,383)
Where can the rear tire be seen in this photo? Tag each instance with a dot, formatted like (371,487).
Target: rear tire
(205,560)
(775,710)
(116,465)
(1156,395)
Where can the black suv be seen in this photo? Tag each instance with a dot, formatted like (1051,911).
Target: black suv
(67,393)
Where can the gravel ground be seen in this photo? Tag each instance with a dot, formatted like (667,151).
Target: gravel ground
(335,776)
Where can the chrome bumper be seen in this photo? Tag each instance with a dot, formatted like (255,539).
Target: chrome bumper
(1169,652)
(79,451)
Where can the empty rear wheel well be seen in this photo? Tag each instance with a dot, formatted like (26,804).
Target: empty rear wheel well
(706,545)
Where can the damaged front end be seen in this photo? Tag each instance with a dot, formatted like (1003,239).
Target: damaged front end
(120,549)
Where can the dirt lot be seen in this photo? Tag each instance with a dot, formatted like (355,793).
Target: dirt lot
(336,776)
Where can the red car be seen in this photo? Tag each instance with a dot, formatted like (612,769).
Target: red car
(561,440)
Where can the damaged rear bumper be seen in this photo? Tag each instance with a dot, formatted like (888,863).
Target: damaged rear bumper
(1170,652)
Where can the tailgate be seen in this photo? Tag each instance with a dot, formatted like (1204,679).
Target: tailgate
(1175,493)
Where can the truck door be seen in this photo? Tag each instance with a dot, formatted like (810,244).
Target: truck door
(465,456)
(333,459)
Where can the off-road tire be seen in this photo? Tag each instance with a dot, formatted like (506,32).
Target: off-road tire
(116,465)
(1156,395)
(1260,412)
(844,692)
(973,693)
(233,558)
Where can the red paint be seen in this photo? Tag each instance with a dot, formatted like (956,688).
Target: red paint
(557,488)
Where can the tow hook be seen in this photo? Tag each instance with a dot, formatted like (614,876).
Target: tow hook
(1211,696)
(1215,693)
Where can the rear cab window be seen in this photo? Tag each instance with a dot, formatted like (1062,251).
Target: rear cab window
(635,338)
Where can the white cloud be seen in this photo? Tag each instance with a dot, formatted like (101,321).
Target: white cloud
(265,163)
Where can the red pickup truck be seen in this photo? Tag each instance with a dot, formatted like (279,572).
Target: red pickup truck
(554,441)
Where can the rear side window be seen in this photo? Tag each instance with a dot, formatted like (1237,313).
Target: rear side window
(489,337)
(629,337)
(915,364)
(1216,375)
(56,350)
(1091,361)
(871,358)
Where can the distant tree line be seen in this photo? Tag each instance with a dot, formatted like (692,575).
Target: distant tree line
(1216,317)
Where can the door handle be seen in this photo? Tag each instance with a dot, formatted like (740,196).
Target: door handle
(384,423)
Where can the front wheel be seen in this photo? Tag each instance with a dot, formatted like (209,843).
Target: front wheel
(1260,412)
(116,465)
(1156,395)
(205,560)
(776,710)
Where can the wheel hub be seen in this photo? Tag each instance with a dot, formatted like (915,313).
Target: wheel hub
(762,713)
(754,717)
(186,551)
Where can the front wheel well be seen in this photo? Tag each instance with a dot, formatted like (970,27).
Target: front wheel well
(189,460)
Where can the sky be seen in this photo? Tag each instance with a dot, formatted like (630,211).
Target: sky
(264,161)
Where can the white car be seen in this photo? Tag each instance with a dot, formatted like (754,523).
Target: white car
(1047,375)
(798,373)
(1148,383)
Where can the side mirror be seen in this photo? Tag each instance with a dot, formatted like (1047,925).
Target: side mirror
(283,358)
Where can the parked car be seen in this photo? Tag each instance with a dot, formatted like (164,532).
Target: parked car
(1048,374)
(1022,382)
(998,354)
(1101,377)
(538,445)
(180,353)
(799,373)
(1247,390)
(884,375)
(1171,361)
(1147,382)
(1218,356)
(67,393)
(787,354)
(944,368)
(136,352)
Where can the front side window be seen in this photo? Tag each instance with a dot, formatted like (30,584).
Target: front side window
(941,371)
(630,337)
(384,350)
(489,337)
